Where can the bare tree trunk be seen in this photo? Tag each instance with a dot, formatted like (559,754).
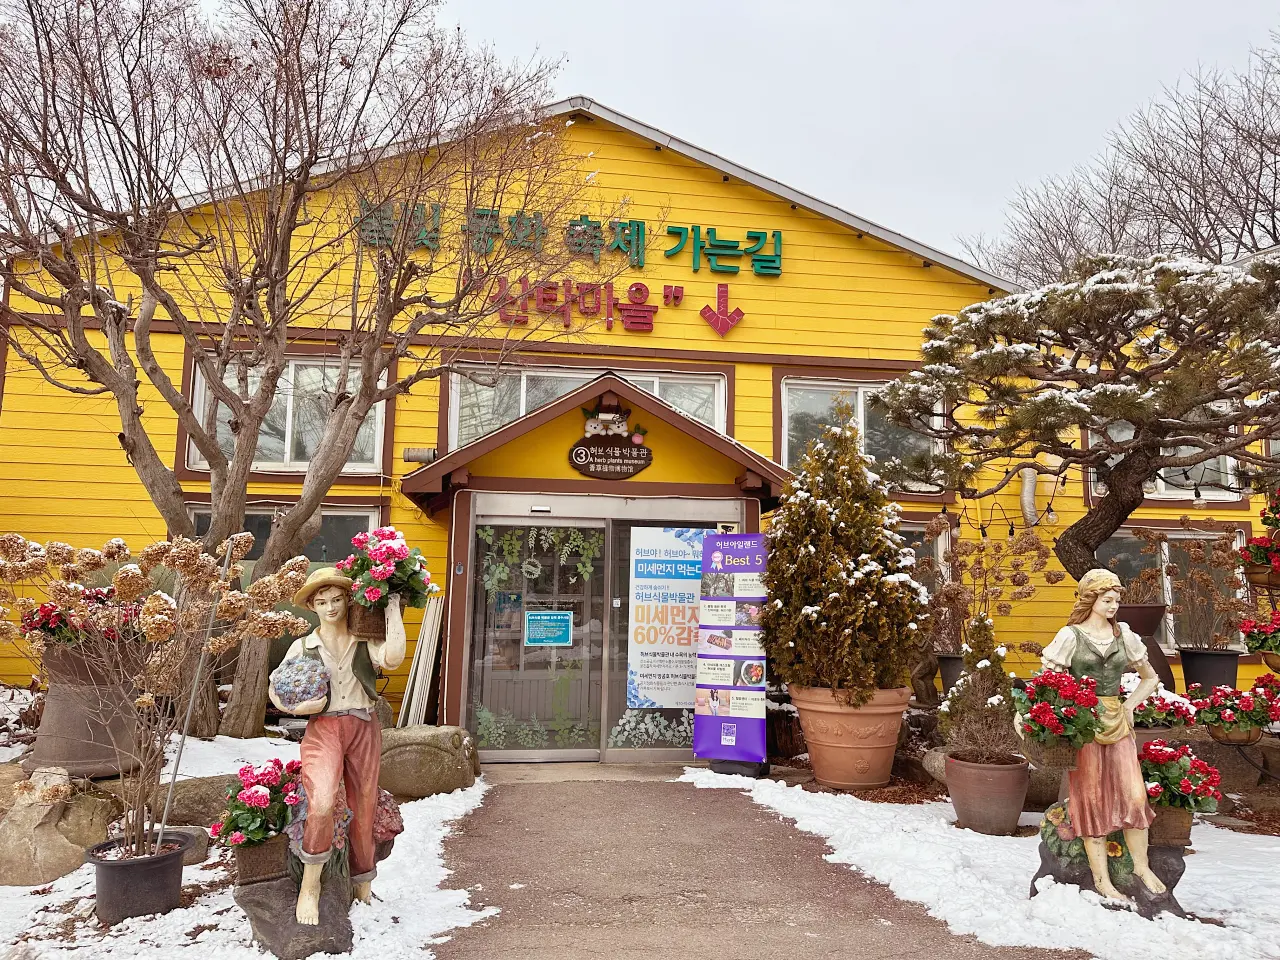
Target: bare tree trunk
(1076,547)
(247,711)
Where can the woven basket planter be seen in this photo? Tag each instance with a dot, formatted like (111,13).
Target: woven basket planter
(367,623)
(1236,738)
(259,862)
(1171,827)
(1058,756)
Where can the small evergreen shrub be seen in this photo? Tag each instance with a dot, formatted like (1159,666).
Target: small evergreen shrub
(843,605)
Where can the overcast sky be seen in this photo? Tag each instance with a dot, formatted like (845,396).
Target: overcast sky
(922,115)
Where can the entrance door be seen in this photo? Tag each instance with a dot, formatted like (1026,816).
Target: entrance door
(537,639)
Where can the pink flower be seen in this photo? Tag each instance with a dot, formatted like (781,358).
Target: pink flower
(372,594)
(360,541)
(215,829)
(236,838)
(293,766)
(386,533)
(1154,790)
(382,553)
(277,763)
(248,775)
(383,571)
(293,799)
(1228,715)
(269,775)
(290,786)
(345,565)
(255,797)
(400,551)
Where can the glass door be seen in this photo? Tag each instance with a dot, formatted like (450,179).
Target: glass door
(537,639)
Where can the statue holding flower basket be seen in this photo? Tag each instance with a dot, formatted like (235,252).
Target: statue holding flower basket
(383,566)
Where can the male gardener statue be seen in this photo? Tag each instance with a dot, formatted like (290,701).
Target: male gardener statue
(343,742)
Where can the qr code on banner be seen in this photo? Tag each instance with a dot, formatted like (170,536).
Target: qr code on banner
(728,734)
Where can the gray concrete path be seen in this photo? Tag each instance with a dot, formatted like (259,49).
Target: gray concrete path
(641,868)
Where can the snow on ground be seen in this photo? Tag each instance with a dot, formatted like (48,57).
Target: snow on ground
(978,885)
(226,755)
(410,908)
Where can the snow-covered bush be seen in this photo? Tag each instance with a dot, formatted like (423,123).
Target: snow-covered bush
(843,605)
(976,719)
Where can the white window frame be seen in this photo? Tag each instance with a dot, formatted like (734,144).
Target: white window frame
(941,544)
(1168,641)
(200,397)
(373,514)
(1158,489)
(587,374)
(859,390)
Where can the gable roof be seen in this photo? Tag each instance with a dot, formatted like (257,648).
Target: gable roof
(759,474)
(586,105)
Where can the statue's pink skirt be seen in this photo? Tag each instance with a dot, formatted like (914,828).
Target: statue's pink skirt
(1107,790)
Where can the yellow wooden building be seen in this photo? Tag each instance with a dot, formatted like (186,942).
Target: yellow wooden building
(715,359)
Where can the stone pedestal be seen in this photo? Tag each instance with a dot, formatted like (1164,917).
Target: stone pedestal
(271,904)
(1064,860)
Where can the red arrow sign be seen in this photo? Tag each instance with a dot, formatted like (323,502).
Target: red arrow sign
(720,319)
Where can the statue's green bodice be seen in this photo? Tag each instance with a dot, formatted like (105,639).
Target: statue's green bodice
(1106,669)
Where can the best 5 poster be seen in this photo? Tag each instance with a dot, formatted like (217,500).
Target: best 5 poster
(728,708)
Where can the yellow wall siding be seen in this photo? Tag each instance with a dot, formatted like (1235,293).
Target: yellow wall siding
(840,297)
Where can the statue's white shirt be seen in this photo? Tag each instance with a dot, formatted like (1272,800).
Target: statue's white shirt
(345,690)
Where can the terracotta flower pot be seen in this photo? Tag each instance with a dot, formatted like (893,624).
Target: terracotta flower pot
(850,747)
(85,719)
(1144,735)
(988,797)
(1171,827)
(367,623)
(259,862)
(1236,738)
(1261,575)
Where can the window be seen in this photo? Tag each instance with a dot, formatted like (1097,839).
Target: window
(1177,483)
(913,534)
(479,408)
(1123,555)
(337,526)
(294,425)
(806,412)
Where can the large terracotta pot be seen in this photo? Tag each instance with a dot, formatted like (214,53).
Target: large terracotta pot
(850,747)
(1144,735)
(85,720)
(988,797)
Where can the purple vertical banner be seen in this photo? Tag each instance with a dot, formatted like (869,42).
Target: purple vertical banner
(728,703)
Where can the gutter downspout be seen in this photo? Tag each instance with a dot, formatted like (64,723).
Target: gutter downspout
(1027,497)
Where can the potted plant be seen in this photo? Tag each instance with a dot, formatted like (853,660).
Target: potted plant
(1144,606)
(145,642)
(1179,785)
(257,812)
(1057,715)
(381,566)
(1261,555)
(986,776)
(1162,713)
(843,607)
(1262,636)
(1235,716)
(1208,606)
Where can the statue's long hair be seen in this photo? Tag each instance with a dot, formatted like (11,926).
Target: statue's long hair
(1091,586)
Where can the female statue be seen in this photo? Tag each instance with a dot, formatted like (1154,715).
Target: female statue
(1107,791)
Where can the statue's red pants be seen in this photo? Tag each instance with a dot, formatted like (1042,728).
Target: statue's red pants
(343,750)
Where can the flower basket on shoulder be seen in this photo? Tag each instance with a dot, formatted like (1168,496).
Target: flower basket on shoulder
(1057,715)
(381,565)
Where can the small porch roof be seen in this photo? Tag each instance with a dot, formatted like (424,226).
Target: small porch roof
(760,477)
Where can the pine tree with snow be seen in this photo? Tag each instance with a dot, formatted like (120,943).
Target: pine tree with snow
(843,605)
(1128,374)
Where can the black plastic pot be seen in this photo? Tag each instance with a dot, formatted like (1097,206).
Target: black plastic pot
(138,886)
(949,665)
(1210,668)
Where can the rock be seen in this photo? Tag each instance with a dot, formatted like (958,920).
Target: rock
(1167,863)
(1066,862)
(197,801)
(47,830)
(934,763)
(908,766)
(270,906)
(386,716)
(421,760)
(10,774)
(198,852)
